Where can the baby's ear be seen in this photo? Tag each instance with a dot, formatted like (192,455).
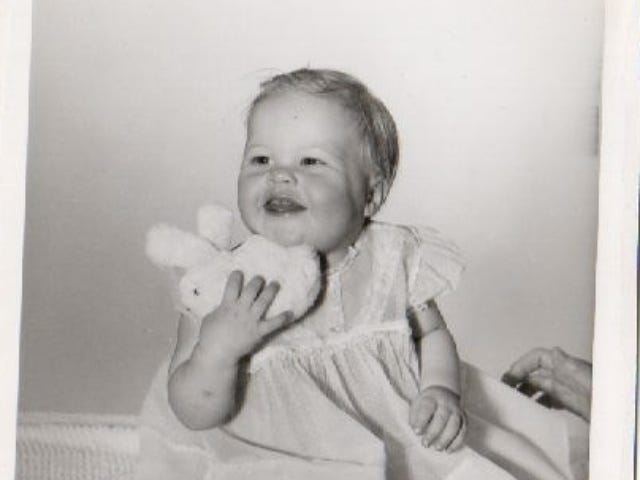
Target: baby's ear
(375,195)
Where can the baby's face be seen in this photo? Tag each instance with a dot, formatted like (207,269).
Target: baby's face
(304,178)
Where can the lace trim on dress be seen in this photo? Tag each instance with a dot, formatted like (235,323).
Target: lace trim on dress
(329,346)
(348,259)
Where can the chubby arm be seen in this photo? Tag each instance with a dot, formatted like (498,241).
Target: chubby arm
(436,413)
(439,362)
(204,371)
(201,388)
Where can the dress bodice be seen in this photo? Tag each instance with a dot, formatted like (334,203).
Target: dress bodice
(389,269)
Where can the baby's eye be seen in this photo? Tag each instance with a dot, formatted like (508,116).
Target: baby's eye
(259,160)
(308,161)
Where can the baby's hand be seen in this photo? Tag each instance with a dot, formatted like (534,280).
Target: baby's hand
(437,416)
(237,326)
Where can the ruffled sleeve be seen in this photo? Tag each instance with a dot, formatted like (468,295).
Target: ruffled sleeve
(434,265)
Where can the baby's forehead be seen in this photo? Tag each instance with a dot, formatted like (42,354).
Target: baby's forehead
(325,113)
(297,103)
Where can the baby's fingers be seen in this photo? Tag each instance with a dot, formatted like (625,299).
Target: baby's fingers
(421,412)
(251,291)
(449,432)
(265,299)
(459,439)
(436,426)
(233,287)
(270,325)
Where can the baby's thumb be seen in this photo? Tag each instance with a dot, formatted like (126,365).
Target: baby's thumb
(270,325)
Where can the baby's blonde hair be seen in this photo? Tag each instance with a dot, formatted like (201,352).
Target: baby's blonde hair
(376,124)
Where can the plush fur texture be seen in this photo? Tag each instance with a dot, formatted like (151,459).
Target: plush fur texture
(205,262)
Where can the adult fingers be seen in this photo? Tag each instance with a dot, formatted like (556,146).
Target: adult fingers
(573,369)
(436,426)
(270,325)
(526,388)
(564,395)
(420,413)
(233,287)
(251,290)
(543,381)
(449,432)
(558,391)
(459,438)
(548,401)
(265,299)
(530,362)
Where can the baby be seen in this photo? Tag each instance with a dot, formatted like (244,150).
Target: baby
(366,384)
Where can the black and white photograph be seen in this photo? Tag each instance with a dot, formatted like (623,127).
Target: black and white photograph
(321,240)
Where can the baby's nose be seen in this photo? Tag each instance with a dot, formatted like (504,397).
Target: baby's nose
(282,175)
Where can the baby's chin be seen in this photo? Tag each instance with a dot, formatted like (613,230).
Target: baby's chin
(283,236)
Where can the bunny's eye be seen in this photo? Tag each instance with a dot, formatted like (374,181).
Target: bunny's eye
(196,292)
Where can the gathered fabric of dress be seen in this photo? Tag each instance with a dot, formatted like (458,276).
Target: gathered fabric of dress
(329,396)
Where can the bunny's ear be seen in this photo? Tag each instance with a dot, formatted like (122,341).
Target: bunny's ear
(167,246)
(215,224)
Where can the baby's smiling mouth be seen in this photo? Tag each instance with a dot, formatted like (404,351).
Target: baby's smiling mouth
(282,206)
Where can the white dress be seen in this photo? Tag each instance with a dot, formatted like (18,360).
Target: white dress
(329,397)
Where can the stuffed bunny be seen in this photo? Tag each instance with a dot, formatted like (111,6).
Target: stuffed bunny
(205,261)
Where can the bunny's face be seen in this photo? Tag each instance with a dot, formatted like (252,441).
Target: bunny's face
(296,269)
(201,264)
(202,286)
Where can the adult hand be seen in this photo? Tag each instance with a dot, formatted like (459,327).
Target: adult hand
(564,381)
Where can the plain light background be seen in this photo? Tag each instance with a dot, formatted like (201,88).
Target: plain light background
(136,117)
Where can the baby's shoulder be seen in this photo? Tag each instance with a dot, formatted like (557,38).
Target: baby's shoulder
(429,258)
(410,238)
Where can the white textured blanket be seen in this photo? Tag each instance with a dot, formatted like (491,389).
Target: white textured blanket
(55,446)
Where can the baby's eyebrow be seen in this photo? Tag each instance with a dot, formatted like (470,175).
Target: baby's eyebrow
(258,147)
(332,152)
(255,145)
